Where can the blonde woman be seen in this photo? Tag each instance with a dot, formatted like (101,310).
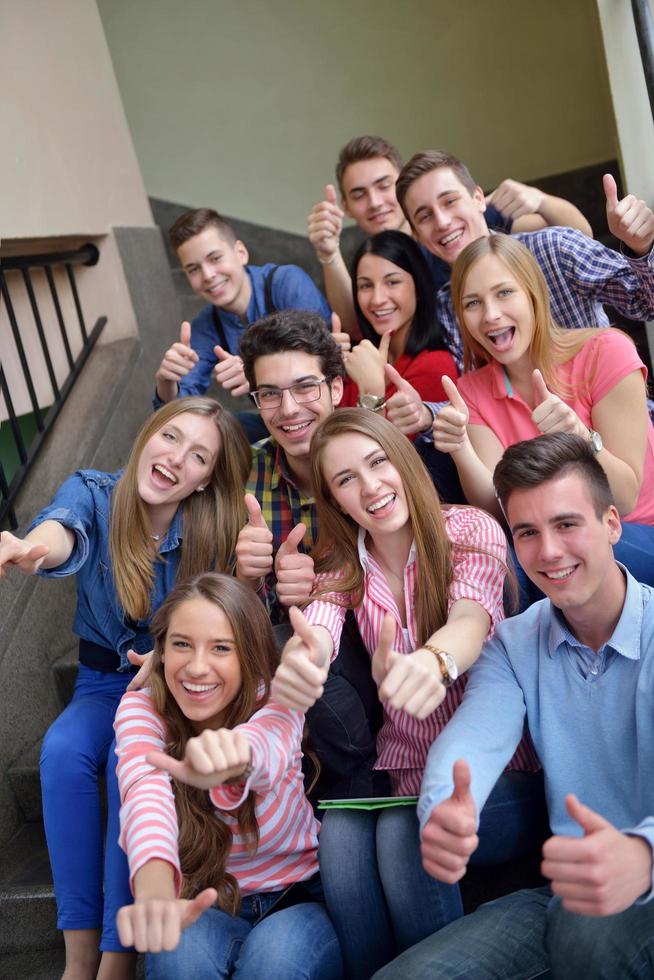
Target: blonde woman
(526,376)
(174,510)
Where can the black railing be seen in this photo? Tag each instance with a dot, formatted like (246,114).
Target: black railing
(43,264)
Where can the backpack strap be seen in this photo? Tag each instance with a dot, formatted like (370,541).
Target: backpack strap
(267,291)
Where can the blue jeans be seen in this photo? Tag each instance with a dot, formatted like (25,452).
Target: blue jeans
(297,943)
(379,897)
(529,934)
(74,755)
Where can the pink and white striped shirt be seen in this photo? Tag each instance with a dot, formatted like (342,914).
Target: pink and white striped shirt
(403,742)
(288,830)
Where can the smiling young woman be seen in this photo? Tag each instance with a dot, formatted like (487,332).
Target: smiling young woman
(425,585)
(526,376)
(175,509)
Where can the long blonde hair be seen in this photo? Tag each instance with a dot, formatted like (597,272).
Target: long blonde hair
(212,519)
(551,345)
(205,840)
(336,547)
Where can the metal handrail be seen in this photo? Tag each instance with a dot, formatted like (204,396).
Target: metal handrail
(86,255)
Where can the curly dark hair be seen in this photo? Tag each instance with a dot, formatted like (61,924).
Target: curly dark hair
(289,330)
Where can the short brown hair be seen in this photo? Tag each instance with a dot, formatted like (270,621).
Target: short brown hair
(530,463)
(191,223)
(423,163)
(365,148)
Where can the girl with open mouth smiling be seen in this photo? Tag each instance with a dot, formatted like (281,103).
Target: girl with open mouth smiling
(425,584)
(174,510)
(526,376)
(214,811)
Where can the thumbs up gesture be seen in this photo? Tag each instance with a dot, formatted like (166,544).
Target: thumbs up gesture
(451,424)
(254,547)
(342,339)
(176,364)
(630,220)
(365,365)
(450,834)
(324,226)
(551,413)
(210,759)
(293,570)
(600,873)
(229,373)
(299,680)
(407,682)
(405,408)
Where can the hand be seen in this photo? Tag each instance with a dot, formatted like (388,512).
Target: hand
(341,338)
(450,427)
(229,373)
(293,570)
(17,553)
(407,682)
(551,413)
(156,924)
(210,759)
(365,365)
(324,225)
(144,662)
(513,199)
(405,408)
(299,680)
(178,359)
(630,220)
(254,547)
(601,873)
(450,834)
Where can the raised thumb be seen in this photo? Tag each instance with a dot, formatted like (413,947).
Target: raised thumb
(330,193)
(462,778)
(453,394)
(293,539)
(610,191)
(541,392)
(587,819)
(385,343)
(185,333)
(253,507)
(220,353)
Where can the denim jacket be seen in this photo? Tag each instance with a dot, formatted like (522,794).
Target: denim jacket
(83,504)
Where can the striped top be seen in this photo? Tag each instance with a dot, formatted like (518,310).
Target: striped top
(403,741)
(288,830)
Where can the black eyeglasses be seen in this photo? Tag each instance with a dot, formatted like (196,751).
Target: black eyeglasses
(301,392)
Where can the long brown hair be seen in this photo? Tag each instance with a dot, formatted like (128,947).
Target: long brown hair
(212,519)
(204,839)
(336,547)
(551,345)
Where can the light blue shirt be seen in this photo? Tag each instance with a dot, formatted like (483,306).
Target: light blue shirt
(591,717)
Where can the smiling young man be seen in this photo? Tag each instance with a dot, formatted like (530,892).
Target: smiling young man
(366,172)
(216,265)
(578,668)
(295,371)
(445,208)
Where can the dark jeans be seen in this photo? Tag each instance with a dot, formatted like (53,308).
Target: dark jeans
(343,724)
(442,471)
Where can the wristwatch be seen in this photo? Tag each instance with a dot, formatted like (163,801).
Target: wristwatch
(446,662)
(374,403)
(595,439)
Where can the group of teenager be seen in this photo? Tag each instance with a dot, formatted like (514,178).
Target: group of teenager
(326,612)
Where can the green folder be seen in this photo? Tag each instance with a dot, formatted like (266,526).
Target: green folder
(368,803)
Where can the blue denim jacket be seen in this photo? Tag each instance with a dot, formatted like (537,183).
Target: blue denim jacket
(83,504)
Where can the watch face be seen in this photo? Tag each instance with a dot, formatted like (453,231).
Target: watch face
(596,441)
(372,402)
(452,668)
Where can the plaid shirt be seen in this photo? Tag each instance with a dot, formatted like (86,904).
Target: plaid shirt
(282,507)
(581,274)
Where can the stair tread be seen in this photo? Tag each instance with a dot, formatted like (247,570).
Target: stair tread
(24,864)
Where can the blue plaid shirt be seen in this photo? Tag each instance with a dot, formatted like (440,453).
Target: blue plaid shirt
(581,274)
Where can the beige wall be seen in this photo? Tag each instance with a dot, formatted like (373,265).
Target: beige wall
(244,105)
(68,173)
(68,164)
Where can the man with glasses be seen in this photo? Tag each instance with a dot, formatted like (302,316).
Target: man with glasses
(295,370)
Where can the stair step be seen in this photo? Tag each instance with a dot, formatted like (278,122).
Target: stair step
(64,672)
(26,784)
(40,964)
(28,917)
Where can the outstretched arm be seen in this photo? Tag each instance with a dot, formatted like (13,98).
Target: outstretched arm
(530,209)
(48,545)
